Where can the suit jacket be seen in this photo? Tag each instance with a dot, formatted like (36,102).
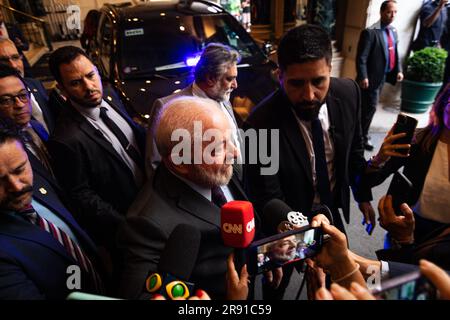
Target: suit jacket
(371,57)
(435,248)
(152,157)
(33,265)
(293,182)
(98,182)
(40,94)
(163,203)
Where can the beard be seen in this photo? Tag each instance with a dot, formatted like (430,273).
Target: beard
(12,201)
(209,179)
(308,110)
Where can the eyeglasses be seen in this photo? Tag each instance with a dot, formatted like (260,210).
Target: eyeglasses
(14,58)
(10,100)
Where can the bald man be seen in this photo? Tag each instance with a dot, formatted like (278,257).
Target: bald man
(189,187)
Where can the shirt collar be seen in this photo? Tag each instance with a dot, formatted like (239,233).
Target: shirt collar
(92,113)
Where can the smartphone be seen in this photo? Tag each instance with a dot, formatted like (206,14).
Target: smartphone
(288,247)
(411,286)
(400,189)
(407,125)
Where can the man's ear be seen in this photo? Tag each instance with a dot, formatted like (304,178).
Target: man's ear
(210,81)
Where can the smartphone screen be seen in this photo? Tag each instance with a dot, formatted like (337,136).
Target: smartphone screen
(285,248)
(411,286)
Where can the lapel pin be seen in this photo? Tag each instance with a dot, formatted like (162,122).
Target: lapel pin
(43,191)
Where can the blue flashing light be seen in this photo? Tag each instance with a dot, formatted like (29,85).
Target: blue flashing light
(192,61)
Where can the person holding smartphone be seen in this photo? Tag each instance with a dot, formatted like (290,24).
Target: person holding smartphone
(426,166)
(438,277)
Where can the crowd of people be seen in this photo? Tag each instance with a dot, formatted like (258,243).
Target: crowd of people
(89,199)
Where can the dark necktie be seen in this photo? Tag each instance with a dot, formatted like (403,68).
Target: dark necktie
(217,197)
(322,179)
(72,248)
(35,143)
(130,150)
(391,50)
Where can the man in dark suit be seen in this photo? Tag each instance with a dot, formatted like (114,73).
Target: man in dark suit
(318,119)
(12,32)
(377,61)
(96,149)
(34,263)
(41,109)
(15,105)
(183,192)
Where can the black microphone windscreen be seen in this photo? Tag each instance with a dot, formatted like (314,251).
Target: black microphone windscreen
(274,212)
(180,253)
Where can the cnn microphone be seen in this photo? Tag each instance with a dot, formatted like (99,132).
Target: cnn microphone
(237,221)
(278,217)
(176,264)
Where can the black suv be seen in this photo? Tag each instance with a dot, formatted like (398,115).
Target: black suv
(148,51)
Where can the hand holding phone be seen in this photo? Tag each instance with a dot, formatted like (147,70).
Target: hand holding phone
(400,189)
(404,124)
(411,286)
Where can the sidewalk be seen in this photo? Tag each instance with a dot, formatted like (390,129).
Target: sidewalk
(385,117)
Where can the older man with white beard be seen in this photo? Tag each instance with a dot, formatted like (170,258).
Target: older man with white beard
(215,78)
(194,179)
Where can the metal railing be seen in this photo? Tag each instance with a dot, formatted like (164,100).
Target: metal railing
(35,30)
(56,16)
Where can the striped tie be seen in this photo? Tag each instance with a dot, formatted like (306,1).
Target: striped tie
(71,247)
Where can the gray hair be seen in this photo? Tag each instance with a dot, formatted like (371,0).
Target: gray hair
(181,113)
(214,61)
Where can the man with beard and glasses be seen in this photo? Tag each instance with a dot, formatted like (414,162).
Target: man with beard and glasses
(215,79)
(41,244)
(96,148)
(194,179)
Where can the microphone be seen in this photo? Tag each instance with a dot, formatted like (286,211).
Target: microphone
(176,264)
(237,221)
(278,217)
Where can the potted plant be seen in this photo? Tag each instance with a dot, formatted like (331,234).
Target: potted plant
(423,79)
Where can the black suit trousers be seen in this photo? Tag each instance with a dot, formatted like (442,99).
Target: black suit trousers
(369,101)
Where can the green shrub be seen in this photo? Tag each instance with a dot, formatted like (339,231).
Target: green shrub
(426,65)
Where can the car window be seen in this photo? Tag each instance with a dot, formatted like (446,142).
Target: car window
(105,43)
(167,44)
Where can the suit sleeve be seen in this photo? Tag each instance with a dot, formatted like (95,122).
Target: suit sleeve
(363,55)
(72,171)
(14,283)
(140,242)
(357,162)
